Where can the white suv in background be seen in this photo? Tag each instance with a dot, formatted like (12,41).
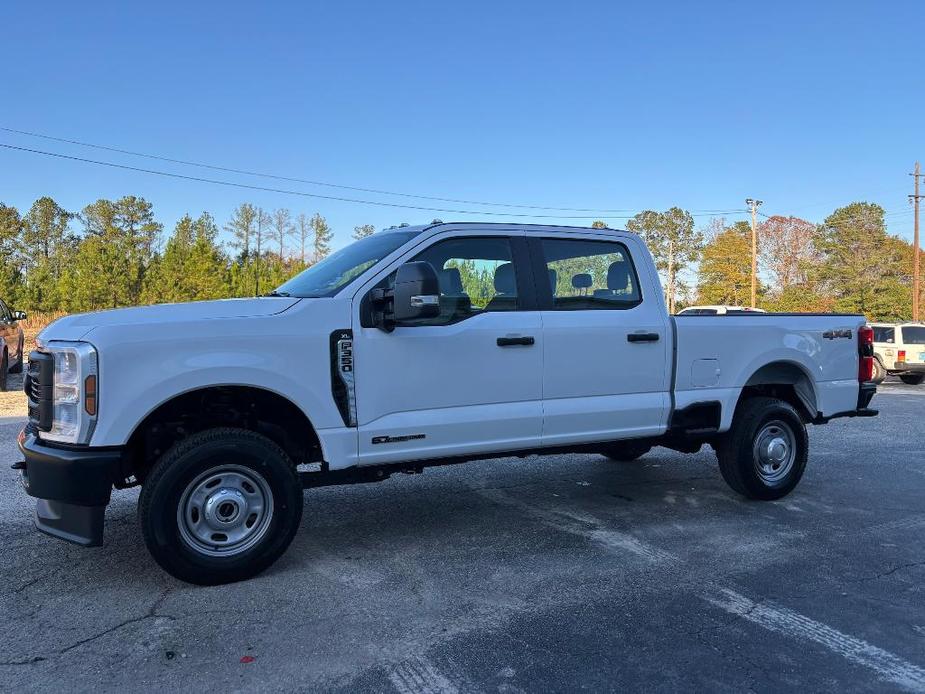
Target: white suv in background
(899,349)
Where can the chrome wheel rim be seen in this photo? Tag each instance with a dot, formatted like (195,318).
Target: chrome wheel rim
(225,511)
(774,452)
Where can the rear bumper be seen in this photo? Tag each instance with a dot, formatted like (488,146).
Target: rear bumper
(73,488)
(906,368)
(866,392)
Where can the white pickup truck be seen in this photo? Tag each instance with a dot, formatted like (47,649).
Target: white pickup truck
(416,346)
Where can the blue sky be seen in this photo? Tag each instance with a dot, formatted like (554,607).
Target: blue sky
(806,106)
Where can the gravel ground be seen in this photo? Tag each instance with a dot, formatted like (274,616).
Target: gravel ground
(545,574)
(13,401)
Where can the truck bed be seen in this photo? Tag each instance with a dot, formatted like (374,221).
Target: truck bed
(716,356)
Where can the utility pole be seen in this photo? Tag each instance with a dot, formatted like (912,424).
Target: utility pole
(670,275)
(753,204)
(914,199)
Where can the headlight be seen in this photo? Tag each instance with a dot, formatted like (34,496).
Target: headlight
(74,394)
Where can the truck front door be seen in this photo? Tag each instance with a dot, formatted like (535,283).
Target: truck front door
(467,381)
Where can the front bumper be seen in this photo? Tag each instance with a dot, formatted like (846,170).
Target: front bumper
(73,488)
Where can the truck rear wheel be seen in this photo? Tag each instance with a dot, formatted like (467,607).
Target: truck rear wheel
(220,506)
(912,379)
(764,454)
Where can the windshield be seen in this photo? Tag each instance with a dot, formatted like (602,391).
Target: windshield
(327,277)
(914,335)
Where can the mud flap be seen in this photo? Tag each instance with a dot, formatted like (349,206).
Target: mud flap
(82,525)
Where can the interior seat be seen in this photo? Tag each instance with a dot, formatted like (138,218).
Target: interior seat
(618,280)
(505,298)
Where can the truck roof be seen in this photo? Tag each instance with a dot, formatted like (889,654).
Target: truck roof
(518,226)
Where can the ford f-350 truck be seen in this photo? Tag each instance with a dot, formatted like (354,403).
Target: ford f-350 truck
(413,347)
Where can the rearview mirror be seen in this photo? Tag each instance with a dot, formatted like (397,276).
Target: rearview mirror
(416,293)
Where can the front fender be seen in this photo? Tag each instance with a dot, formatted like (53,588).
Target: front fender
(139,372)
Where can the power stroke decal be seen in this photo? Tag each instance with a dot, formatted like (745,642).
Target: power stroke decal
(397,439)
(342,376)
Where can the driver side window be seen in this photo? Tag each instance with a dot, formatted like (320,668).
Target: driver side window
(476,275)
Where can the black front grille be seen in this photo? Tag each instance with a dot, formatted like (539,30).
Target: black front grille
(39,387)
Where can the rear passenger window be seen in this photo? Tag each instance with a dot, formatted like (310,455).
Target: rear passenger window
(882,334)
(586,274)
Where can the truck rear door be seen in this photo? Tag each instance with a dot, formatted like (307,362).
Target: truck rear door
(606,340)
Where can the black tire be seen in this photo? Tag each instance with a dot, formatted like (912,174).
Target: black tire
(773,475)
(626,451)
(4,372)
(879,372)
(259,466)
(912,379)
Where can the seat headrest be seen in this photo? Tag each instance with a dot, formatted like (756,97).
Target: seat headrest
(504,279)
(582,280)
(618,276)
(450,281)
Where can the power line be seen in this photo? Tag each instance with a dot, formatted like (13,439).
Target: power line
(359,189)
(300,193)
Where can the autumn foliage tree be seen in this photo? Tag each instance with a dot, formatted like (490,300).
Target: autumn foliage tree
(725,267)
(787,249)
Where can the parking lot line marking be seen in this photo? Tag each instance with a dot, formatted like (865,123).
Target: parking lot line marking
(584,526)
(889,666)
(419,675)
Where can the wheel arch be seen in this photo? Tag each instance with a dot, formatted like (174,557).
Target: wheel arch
(244,406)
(785,380)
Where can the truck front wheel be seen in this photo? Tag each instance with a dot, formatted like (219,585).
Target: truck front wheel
(763,455)
(220,506)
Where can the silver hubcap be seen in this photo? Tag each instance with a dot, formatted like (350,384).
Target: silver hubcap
(225,511)
(774,452)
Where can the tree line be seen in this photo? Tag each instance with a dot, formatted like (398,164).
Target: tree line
(113,253)
(848,263)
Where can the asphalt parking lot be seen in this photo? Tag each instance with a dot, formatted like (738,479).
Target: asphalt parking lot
(545,574)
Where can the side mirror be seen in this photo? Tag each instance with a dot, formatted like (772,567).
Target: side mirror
(19,315)
(416,293)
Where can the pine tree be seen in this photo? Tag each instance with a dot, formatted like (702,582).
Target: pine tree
(11,260)
(193,268)
(304,232)
(241,227)
(48,245)
(323,236)
(361,232)
(207,266)
(282,229)
(105,267)
(672,241)
(861,267)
